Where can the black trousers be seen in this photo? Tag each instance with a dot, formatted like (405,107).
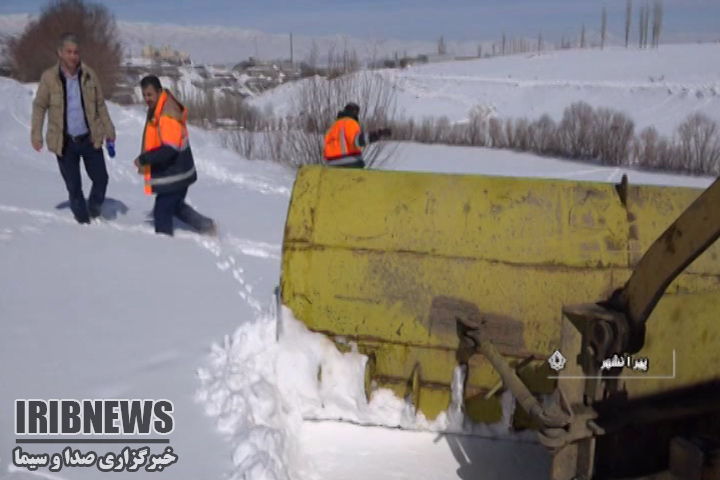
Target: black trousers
(172,204)
(94,161)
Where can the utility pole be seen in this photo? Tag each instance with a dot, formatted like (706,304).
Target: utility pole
(292,63)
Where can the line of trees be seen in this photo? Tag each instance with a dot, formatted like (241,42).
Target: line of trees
(644,23)
(514,46)
(595,135)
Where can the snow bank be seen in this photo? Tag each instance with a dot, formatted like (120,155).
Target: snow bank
(340,395)
(239,389)
(262,382)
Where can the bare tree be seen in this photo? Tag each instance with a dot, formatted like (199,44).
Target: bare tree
(657,23)
(319,100)
(647,24)
(603,28)
(654,25)
(644,23)
(641,20)
(292,57)
(5,60)
(582,37)
(35,49)
(442,48)
(699,144)
(584,133)
(628,16)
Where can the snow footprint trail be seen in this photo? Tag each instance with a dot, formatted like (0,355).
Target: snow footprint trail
(227,263)
(216,246)
(238,387)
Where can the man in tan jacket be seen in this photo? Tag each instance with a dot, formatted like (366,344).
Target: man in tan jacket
(78,122)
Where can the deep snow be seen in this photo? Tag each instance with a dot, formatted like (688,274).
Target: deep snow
(113,311)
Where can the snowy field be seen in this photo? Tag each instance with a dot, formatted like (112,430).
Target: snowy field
(112,311)
(657,88)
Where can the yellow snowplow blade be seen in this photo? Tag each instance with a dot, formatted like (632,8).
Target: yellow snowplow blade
(372,257)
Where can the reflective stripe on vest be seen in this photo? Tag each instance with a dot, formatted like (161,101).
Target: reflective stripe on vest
(172,178)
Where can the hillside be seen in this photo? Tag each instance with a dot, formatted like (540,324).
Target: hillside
(657,88)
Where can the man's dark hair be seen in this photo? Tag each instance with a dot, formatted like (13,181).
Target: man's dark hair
(151,80)
(68,37)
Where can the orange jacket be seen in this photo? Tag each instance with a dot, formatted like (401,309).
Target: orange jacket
(343,141)
(166,156)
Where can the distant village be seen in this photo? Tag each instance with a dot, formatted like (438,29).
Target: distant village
(247,78)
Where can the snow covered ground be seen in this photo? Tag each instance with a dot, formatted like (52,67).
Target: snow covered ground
(657,88)
(113,311)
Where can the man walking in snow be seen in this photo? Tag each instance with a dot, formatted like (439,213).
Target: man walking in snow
(345,139)
(78,122)
(167,161)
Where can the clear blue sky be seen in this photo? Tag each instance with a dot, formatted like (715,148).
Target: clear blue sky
(406,19)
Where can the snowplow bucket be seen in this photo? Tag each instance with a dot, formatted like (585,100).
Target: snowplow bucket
(390,260)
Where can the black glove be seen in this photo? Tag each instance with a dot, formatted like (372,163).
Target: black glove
(376,135)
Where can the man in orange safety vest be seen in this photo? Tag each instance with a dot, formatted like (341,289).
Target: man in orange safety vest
(345,139)
(167,161)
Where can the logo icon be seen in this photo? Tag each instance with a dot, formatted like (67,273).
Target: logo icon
(557,361)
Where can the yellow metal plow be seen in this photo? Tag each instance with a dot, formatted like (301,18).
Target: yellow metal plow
(427,271)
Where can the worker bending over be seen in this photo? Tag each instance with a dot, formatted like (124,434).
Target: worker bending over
(345,139)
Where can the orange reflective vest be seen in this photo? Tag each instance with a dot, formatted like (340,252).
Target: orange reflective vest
(341,141)
(167,128)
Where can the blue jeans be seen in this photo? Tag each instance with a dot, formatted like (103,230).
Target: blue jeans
(169,205)
(94,161)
